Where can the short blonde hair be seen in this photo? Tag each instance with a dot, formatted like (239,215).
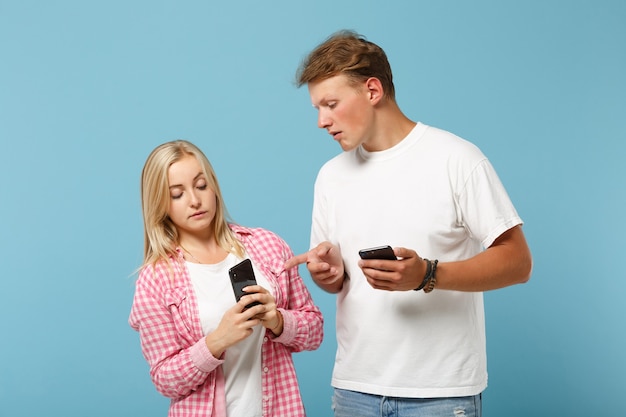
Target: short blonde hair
(160,233)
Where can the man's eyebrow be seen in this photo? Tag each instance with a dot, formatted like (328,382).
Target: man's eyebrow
(322,102)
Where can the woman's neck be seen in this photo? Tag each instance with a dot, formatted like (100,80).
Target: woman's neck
(202,250)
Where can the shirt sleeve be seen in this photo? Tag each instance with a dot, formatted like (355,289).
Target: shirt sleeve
(303,321)
(179,363)
(487,210)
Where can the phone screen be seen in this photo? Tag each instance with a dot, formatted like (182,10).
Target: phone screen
(241,276)
(379,252)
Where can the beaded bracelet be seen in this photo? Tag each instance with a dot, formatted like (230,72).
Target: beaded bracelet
(433,278)
(427,275)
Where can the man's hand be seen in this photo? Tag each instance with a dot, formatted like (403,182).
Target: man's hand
(404,274)
(325,265)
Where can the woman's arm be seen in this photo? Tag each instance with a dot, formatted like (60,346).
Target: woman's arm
(178,362)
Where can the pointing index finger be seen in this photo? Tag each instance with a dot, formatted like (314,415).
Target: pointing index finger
(296,260)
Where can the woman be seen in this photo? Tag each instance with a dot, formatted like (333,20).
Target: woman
(207,352)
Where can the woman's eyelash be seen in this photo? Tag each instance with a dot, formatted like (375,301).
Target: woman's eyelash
(199,187)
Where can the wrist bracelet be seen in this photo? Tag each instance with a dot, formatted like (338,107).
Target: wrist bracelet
(433,278)
(280,321)
(427,275)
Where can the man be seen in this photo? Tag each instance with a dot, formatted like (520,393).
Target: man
(410,332)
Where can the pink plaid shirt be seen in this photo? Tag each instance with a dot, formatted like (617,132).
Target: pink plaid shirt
(165,313)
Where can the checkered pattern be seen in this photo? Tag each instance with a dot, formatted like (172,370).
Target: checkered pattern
(165,313)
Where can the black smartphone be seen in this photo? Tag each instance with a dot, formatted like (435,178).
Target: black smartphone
(379,252)
(241,276)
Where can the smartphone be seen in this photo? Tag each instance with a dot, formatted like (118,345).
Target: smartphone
(241,276)
(379,252)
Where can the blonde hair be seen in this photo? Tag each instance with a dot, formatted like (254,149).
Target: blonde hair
(346,52)
(160,233)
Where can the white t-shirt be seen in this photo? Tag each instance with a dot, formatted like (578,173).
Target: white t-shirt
(242,362)
(438,195)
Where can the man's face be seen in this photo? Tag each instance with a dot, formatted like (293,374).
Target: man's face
(344,110)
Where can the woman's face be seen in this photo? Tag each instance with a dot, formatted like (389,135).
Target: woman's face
(192,203)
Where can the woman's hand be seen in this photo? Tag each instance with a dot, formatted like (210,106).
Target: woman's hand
(266,311)
(236,324)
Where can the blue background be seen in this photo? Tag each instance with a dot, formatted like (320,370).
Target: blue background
(87,89)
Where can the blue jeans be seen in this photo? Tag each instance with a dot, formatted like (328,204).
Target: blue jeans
(357,404)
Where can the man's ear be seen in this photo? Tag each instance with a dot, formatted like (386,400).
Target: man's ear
(375,90)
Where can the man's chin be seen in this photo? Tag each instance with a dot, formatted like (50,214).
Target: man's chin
(347,146)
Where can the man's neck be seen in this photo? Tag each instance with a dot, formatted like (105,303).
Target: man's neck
(391,127)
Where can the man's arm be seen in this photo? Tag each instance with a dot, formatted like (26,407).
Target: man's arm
(506,262)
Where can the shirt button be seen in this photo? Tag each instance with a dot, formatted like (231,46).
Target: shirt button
(266,369)
(265,339)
